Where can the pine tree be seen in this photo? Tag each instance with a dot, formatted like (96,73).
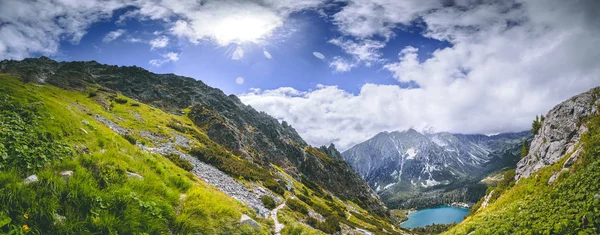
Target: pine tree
(525,149)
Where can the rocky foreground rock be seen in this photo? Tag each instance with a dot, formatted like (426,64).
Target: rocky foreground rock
(560,134)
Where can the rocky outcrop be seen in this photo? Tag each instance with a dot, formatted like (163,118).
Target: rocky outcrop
(249,221)
(560,134)
(486,200)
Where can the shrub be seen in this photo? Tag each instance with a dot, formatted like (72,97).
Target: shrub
(130,138)
(180,162)
(296,205)
(120,101)
(135,104)
(92,94)
(232,165)
(268,202)
(274,186)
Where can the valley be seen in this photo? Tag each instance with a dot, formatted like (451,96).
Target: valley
(409,169)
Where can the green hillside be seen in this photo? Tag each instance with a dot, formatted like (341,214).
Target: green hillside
(90,150)
(569,205)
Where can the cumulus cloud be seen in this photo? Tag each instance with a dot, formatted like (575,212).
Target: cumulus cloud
(111,36)
(363,52)
(238,54)
(507,63)
(233,21)
(159,42)
(341,65)
(38,27)
(368,18)
(239,80)
(168,57)
(318,55)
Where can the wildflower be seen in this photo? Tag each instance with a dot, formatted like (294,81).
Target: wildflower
(25,228)
(26,216)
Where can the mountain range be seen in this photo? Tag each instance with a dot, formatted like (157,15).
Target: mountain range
(400,165)
(88,148)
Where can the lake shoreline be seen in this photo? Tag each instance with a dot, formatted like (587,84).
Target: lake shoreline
(444,214)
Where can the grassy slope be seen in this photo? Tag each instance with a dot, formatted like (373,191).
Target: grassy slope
(100,198)
(532,206)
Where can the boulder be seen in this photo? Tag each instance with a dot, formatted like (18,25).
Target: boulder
(31,179)
(134,175)
(249,221)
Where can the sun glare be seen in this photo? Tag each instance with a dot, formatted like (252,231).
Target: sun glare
(246,28)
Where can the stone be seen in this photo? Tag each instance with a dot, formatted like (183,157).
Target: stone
(249,221)
(134,175)
(31,179)
(59,219)
(559,134)
(66,173)
(555,176)
(597,196)
(486,200)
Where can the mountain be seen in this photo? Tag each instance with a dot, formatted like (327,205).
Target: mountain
(556,186)
(109,149)
(400,164)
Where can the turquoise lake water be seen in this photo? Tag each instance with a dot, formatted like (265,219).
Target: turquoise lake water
(436,215)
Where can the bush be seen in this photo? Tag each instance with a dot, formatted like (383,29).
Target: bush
(274,186)
(296,205)
(120,101)
(232,165)
(268,202)
(135,104)
(130,138)
(92,94)
(180,162)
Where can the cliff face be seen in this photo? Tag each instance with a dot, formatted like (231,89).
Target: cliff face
(250,134)
(560,134)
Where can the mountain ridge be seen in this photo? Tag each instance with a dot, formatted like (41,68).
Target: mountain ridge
(409,161)
(237,140)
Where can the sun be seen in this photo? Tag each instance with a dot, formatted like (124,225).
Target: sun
(244,28)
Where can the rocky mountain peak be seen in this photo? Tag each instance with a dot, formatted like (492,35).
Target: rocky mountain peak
(560,133)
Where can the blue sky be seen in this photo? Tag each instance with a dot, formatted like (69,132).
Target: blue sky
(292,64)
(433,65)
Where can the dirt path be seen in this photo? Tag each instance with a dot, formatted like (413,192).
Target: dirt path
(278,226)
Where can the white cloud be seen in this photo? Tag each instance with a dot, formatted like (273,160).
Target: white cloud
(238,53)
(363,52)
(368,18)
(111,36)
(233,21)
(159,42)
(506,64)
(318,55)
(168,57)
(341,65)
(267,55)
(38,27)
(239,80)
(172,56)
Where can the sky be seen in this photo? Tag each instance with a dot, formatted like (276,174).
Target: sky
(338,71)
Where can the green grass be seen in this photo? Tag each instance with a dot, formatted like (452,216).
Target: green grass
(61,133)
(566,206)
(99,197)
